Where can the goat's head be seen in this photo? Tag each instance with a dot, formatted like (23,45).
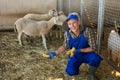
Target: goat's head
(57,21)
(117,28)
(62,16)
(53,12)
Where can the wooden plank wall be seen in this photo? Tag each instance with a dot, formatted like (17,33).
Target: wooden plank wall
(11,10)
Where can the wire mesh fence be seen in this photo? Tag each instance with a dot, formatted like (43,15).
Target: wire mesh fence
(91,11)
(112,12)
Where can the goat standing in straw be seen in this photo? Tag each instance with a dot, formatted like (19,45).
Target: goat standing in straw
(114,44)
(34,28)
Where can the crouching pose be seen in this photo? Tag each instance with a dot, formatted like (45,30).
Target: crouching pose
(84,48)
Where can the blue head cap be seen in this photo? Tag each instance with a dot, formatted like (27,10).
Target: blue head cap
(72,16)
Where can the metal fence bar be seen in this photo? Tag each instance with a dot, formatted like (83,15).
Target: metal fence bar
(61,5)
(69,10)
(57,6)
(100,24)
(91,12)
(81,12)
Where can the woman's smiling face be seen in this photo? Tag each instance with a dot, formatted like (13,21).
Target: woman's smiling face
(73,25)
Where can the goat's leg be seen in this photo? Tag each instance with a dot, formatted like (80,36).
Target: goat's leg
(60,34)
(44,41)
(19,38)
(119,59)
(57,34)
(110,56)
(51,34)
(29,39)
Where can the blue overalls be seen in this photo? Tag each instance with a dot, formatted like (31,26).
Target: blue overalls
(91,58)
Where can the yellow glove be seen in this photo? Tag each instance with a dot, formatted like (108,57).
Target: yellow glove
(45,55)
(49,55)
(71,52)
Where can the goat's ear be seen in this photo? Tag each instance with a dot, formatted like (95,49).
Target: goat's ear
(118,29)
(115,25)
(52,12)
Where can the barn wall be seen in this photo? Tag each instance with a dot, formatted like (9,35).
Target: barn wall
(10,10)
(74,6)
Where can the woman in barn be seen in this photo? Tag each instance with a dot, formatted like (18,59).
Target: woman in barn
(81,48)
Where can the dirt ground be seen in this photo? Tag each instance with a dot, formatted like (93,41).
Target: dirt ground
(27,63)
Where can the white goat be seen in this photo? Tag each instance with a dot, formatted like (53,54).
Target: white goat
(34,28)
(114,45)
(60,28)
(39,17)
(62,16)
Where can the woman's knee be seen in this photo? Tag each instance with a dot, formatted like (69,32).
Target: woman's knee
(72,67)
